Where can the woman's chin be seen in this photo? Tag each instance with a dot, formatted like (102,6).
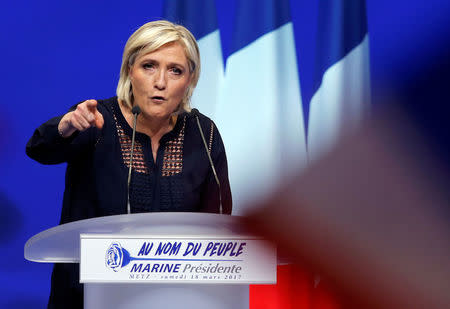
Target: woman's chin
(156,113)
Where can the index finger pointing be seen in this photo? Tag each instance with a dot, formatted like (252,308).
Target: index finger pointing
(91,105)
(99,121)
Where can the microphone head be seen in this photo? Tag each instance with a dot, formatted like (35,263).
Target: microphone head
(136,110)
(194,112)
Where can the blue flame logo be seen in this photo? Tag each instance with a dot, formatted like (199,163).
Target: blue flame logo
(116,257)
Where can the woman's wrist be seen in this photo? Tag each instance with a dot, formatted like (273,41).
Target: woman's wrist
(65,129)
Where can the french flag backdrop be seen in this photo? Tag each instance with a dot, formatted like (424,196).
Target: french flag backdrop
(342,99)
(258,89)
(280,78)
(200,17)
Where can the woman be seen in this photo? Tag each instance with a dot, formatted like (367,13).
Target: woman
(170,170)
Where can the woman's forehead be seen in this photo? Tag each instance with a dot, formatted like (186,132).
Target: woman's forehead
(170,52)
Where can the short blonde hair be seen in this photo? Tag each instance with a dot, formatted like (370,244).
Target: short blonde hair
(149,38)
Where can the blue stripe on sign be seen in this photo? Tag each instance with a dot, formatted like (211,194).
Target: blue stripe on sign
(254,18)
(342,26)
(199,16)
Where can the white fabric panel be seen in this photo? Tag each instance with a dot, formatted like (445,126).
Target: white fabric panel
(206,93)
(260,116)
(341,102)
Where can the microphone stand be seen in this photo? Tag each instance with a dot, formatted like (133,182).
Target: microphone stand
(135,110)
(195,113)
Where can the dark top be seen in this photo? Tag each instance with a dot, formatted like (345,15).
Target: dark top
(181,179)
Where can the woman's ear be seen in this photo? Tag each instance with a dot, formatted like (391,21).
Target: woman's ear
(129,72)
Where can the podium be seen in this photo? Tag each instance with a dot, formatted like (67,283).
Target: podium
(160,260)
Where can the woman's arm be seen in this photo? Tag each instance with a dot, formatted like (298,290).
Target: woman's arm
(62,138)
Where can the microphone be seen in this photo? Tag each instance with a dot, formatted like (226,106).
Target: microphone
(195,113)
(136,111)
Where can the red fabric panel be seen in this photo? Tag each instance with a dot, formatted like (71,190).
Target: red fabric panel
(323,298)
(294,290)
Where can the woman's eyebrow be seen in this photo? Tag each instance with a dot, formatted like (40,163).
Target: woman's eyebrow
(172,63)
(176,64)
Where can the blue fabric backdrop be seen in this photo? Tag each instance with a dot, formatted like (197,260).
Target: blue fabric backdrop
(57,53)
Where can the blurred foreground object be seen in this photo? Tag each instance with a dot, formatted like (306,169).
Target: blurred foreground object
(367,216)
(372,215)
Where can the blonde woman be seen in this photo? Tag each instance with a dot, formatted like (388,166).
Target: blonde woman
(171,170)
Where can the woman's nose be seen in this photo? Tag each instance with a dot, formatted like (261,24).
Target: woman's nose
(160,80)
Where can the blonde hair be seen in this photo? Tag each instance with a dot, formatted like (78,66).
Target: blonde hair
(149,38)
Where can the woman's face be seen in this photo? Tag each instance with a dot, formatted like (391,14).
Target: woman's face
(160,80)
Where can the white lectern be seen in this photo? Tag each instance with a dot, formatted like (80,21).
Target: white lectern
(160,260)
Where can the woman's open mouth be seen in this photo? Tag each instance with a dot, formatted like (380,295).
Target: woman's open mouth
(158,99)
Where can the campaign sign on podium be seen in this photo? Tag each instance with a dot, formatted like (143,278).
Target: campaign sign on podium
(176,259)
(186,260)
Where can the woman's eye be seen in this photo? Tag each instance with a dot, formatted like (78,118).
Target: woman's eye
(176,71)
(148,66)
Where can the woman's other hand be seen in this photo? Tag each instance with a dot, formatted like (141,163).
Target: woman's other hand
(82,118)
